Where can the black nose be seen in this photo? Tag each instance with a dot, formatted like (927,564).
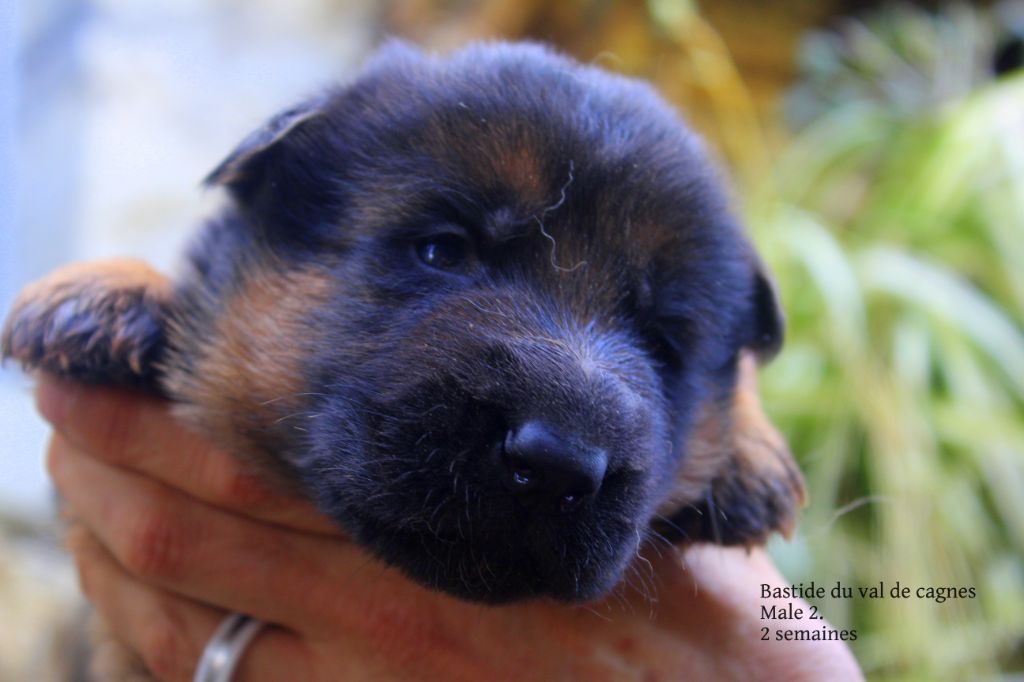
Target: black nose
(544,469)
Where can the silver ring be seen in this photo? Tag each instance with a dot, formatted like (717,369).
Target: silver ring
(225,648)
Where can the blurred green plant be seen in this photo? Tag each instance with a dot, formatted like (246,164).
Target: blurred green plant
(894,222)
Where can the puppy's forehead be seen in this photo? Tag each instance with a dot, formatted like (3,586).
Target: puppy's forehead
(515,128)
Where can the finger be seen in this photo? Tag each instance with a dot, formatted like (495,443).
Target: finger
(138,432)
(169,632)
(166,539)
(729,600)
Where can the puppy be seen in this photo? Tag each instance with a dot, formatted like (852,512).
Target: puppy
(491,312)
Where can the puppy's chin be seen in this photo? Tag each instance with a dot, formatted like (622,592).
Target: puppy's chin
(573,563)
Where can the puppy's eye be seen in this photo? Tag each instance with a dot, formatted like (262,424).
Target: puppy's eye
(444,251)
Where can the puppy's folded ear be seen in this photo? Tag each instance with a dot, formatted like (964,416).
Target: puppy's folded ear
(738,482)
(248,162)
(100,322)
(279,172)
(768,327)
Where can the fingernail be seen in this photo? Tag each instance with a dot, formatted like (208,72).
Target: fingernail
(55,398)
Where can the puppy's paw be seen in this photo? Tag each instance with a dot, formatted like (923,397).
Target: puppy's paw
(760,493)
(97,322)
(741,483)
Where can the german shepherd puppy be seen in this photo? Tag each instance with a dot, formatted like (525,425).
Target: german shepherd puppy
(491,312)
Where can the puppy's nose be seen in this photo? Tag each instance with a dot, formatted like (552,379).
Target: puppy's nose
(543,469)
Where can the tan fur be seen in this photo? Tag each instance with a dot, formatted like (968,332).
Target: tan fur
(95,278)
(250,373)
(737,443)
(521,170)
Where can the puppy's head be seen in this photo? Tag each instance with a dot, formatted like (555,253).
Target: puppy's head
(529,290)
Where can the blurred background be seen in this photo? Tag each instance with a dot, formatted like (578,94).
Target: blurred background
(877,151)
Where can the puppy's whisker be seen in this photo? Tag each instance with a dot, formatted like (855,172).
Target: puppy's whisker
(640,557)
(651,539)
(668,522)
(294,415)
(489,311)
(290,396)
(589,609)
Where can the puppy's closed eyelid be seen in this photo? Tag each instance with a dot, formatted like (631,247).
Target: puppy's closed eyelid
(427,228)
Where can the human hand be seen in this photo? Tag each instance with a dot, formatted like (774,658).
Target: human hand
(172,535)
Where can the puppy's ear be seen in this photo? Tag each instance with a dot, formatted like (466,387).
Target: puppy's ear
(767,321)
(739,481)
(100,322)
(277,154)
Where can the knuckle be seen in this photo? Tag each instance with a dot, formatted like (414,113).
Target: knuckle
(84,552)
(165,652)
(154,545)
(86,576)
